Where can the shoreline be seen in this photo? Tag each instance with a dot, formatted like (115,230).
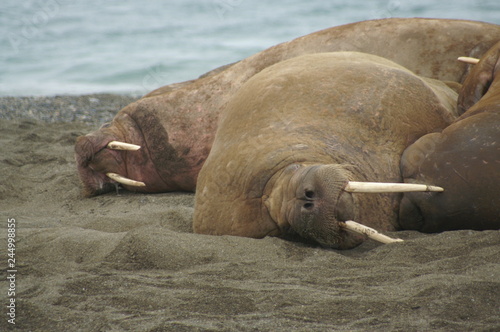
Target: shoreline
(94,109)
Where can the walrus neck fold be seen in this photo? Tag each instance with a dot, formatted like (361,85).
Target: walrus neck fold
(276,193)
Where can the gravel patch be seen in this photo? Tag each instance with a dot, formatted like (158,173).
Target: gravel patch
(91,109)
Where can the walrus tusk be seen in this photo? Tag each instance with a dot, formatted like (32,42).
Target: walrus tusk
(123,180)
(370,232)
(116,145)
(468,59)
(381,187)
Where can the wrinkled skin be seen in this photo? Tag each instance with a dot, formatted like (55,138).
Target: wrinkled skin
(182,118)
(464,159)
(295,133)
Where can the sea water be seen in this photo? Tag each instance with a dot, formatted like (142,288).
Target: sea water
(50,47)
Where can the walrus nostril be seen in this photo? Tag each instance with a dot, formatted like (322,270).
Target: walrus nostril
(309,194)
(308,206)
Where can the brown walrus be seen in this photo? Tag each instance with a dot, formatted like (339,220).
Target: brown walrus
(297,133)
(175,125)
(464,159)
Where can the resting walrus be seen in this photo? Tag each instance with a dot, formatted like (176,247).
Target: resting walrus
(294,135)
(175,126)
(464,158)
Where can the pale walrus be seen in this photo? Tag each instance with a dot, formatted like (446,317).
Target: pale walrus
(464,158)
(294,135)
(175,126)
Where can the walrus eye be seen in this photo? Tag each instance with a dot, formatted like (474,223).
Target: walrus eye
(308,206)
(309,194)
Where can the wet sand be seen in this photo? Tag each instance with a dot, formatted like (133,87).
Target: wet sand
(131,262)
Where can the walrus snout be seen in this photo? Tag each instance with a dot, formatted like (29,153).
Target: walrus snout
(93,160)
(104,158)
(320,203)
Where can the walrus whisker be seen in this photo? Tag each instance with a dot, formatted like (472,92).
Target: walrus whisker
(117,188)
(468,59)
(381,187)
(126,181)
(116,145)
(355,227)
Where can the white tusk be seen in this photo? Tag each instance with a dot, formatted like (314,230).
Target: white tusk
(468,59)
(116,145)
(370,232)
(380,187)
(123,180)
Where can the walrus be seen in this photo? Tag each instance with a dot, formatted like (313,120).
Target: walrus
(173,127)
(299,132)
(159,141)
(464,158)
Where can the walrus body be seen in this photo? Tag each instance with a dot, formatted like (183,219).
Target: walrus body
(294,134)
(175,125)
(464,159)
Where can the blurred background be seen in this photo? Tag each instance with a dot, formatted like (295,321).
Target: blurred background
(52,47)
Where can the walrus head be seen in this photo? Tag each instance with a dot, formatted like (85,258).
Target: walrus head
(136,151)
(483,78)
(95,158)
(315,201)
(311,200)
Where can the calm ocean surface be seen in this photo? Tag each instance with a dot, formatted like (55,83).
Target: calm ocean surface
(50,47)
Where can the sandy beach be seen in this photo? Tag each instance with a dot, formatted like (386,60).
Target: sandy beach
(130,262)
